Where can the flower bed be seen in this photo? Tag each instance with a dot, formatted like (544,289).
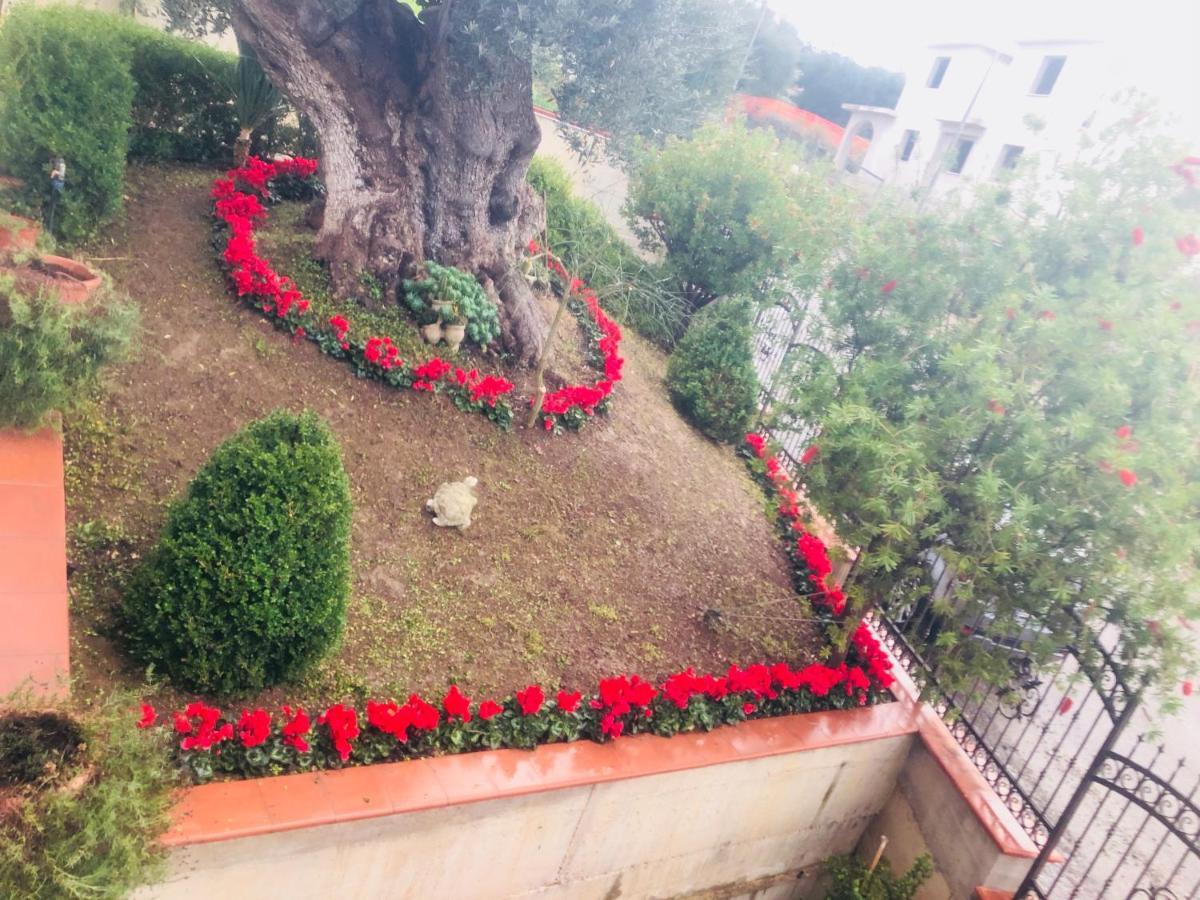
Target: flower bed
(260,742)
(257,283)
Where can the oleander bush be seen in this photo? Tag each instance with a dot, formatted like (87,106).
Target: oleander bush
(629,287)
(51,353)
(248,584)
(710,376)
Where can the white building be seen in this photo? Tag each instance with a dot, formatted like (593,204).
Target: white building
(968,112)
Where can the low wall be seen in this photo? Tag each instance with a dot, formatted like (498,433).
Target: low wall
(741,811)
(34,642)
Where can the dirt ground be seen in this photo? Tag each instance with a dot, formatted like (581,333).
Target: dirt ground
(589,555)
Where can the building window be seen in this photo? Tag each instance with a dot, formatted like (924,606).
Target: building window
(1052,67)
(961,152)
(1010,156)
(910,141)
(940,65)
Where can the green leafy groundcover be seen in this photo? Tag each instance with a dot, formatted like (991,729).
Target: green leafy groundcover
(261,742)
(238,208)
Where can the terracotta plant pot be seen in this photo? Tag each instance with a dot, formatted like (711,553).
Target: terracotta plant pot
(72,281)
(454,335)
(432,333)
(18,233)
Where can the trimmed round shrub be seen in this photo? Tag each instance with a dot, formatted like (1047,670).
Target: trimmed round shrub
(65,90)
(248,584)
(710,376)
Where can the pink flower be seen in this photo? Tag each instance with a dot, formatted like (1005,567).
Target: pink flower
(1138,236)
(1189,245)
(1065,706)
(889,286)
(1128,478)
(1124,432)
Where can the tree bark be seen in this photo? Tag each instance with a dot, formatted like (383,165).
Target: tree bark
(424,149)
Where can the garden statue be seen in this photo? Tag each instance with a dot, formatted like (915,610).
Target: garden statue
(453,502)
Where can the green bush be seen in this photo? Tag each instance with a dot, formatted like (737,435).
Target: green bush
(65,90)
(247,586)
(468,304)
(852,879)
(183,101)
(730,207)
(710,376)
(51,353)
(631,289)
(99,841)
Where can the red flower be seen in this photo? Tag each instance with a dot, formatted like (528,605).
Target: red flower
(1124,432)
(340,324)
(889,287)
(532,247)
(456,704)
(997,407)
(1047,315)
(489,708)
(342,722)
(183,725)
(758,444)
(1189,245)
(747,709)
(296,727)
(810,454)
(1186,687)
(1065,706)
(530,700)
(148,716)
(254,728)
(1105,325)
(1128,478)
(568,701)
(1138,237)
(202,733)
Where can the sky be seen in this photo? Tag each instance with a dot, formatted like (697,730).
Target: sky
(1155,44)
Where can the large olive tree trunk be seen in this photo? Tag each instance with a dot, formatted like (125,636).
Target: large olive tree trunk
(424,148)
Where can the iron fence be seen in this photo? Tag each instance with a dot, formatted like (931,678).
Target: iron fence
(1113,816)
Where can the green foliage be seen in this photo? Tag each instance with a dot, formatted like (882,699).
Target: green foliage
(827,80)
(731,207)
(255,99)
(182,101)
(98,841)
(634,291)
(852,879)
(248,584)
(989,371)
(37,746)
(461,298)
(65,90)
(710,376)
(51,352)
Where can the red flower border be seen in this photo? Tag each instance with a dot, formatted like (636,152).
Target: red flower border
(258,284)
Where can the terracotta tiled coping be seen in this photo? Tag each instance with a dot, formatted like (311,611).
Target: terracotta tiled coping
(234,809)
(34,642)
(991,812)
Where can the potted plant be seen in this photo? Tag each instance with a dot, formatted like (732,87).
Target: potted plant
(454,326)
(431,325)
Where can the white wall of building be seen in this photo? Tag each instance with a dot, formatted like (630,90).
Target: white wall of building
(988,96)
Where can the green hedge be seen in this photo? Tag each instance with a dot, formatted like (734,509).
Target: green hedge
(183,104)
(248,584)
(710,376)
(66,90)
(631,289)
(50,352)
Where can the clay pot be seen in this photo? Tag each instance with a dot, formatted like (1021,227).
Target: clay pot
(18,233)
(432,333)
(72,281)
(454,335)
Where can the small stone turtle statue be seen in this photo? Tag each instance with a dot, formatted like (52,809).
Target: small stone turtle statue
(453,502)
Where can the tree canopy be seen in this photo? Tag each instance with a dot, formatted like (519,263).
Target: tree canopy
(1009,391)
(827,80)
